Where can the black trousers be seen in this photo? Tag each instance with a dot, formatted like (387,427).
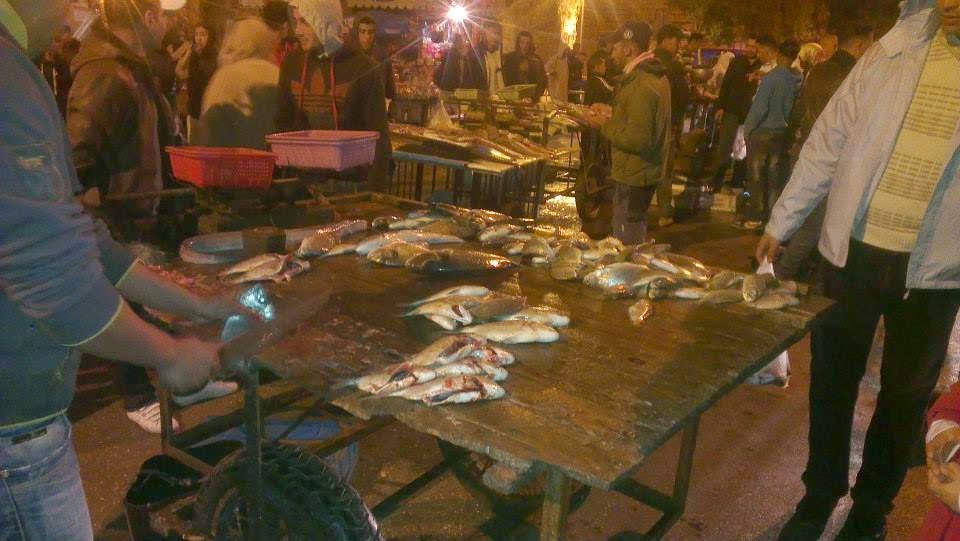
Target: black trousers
(726,136)
(917,327)
(764,155)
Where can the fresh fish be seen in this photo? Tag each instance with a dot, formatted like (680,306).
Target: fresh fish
(755,285)
(459,262)
(569,253)
(514,248)
(497,307)
(514,332)
(662,288)
(276,260)
(418,213)
(341,249)
(640,312)
(725,280)
(611,243)
(382,223)
(447,350)
(494,355)
(449,227)
(774,301)
(688,267)
(689,293)
(660,263)
(412,223)
(411,236)
(562,270)
(490,217)
(445,323)
(540,314)
(539,247)
(443,308)
(594,254)
(275,267)
(722,296)
(472,366)
(617,274)
(394,378)
(316,245)
(523,236)
(582,241)
(455,291)
(496,232)
(396,254)
(787,286)
(652,248)
(453,390)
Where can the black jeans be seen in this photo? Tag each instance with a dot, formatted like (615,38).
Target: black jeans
(726,136)
(801,255)
(630,206)
(917,327)
(764,155)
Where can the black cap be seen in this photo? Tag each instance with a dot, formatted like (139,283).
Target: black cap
(639,33)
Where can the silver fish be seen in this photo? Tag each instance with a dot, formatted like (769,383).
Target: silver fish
(540,314)
(442,262)
(725,280)
(514,332)
(722,296)
(276,268)
(495,307)
(496,232)
(539,247)
(774,301)
(640,312)
(788,286)
(569,253)
(449,227)
(447,350)
(521,236)
(652,248)
(411,236)
(341,249)
(394,377)
(455,291)
(316,245)
(444,308)
(396,254)
(612,243)
(598,253)
(688,293)
(454,390)
(514,248)
(276,260)
(582,241)
(495,355)
(382,223)
(689,267)
(412,223)
(617,274)
(755,285)
(445,323)
(662,288)
(472,366)
(562,270)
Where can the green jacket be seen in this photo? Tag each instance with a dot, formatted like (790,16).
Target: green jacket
(639,131)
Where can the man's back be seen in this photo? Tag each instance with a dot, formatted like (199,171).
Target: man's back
(821,84)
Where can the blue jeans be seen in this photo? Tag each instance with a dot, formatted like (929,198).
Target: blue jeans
(41,496)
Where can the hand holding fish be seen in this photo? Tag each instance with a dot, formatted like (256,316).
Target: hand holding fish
(767,249)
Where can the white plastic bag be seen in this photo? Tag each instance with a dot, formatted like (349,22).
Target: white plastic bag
(739,145)
(777,372)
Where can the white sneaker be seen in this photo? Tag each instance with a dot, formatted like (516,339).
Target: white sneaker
(213,389)
(148,418)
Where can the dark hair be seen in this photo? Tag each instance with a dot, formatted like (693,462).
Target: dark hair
(767,40)
(595,60)
(850,32)
(789,48)
(363,19)
(525,34)
(275,13)
(669,31)
(697,36)
(70,45)
(124,13)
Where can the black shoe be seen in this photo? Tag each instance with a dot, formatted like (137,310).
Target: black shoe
(809,520)
(858,528)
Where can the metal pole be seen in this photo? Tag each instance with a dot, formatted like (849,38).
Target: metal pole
(254,465)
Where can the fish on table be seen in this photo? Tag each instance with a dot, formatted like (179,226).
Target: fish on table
(540,314)
(444,308)
(272,267)
(407,235)
(755,285)
(722,296)
(497,306)
(447,350)
(514,332)
(493,354)
(396,254)
(341,249)
(725,280)
(455,291)
(496,232)
(453,390)
(774,301)
(317,245)
(458,262)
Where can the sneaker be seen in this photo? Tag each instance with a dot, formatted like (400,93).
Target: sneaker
(148,418)
(213,389)
(809,520)
(665,221)
(861,526)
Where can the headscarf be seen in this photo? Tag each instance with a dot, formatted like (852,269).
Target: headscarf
(247,38)
(326,19)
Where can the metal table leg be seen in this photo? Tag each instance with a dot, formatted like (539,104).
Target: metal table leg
(254,453)
(556,505)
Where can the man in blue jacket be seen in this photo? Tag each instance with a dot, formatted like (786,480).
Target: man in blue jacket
(884,154)
(63,282)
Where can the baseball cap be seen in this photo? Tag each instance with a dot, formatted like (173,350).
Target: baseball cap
(637,32)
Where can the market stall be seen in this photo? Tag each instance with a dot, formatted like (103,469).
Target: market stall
(586,409)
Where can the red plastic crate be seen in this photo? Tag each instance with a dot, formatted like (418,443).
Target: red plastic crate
(324,149)
(222,167)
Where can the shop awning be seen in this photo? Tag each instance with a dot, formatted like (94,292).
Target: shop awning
(411,5)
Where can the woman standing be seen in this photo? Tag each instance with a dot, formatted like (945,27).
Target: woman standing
(196,68)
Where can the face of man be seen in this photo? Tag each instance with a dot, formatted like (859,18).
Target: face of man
(622,52)
(43,19)
(493,37)
(524,45)
(305,33)
(155,21)
(366,35)
(767,54)
(671,45)
(750,49)
(949,11)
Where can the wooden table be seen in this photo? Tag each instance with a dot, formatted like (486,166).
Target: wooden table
(589,408)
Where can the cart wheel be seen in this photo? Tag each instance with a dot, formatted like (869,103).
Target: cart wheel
(469,471)
(303,500)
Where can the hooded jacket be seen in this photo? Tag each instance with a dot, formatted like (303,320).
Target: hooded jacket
(639,131)
(240,103)
(381,58)
(521,69)
(118,122)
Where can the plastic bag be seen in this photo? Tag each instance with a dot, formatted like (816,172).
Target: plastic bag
(777,372)
(739,145)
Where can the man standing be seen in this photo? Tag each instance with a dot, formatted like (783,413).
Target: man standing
(364,33)
(493,55)
(824,80)
(668,47)
(695,47)
(119,122)
(524,66)
(764,130)
(61,281)
(736,95)
(638,128)
(885,150)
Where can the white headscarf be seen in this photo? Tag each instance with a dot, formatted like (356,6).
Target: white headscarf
(326,19)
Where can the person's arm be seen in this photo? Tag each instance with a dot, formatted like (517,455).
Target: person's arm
(183,65)
(633,133)
(145,286)
(286,106)
(759,109)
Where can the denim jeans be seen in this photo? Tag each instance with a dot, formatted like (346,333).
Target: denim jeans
(764,153)
(41,496)
(630,206)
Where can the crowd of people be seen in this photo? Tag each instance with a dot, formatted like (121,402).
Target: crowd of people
(850,152)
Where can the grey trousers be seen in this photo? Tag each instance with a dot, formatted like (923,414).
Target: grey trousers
(630,206)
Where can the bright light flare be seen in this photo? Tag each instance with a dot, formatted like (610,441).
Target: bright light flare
(569,11)
(457,14)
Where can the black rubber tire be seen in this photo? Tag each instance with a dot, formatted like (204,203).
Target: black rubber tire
(304,499)
(469,472)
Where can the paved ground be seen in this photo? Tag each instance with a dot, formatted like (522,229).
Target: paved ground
(745,478)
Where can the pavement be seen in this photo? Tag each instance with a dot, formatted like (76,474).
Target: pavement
(745,480)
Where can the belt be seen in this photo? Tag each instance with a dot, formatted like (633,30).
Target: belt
(35,429)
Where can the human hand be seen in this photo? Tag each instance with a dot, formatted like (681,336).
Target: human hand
(192,364)
(946,485)
(218,307)
(718,115)
(767,249)
(940,447)
(91,198)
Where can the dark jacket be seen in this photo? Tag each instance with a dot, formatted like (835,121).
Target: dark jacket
(598,91)
(461,71)
(821,84)
(519,69)
(59,264)
(639,131)
(679,86)
(736,92)
(200,68)
(118,122)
